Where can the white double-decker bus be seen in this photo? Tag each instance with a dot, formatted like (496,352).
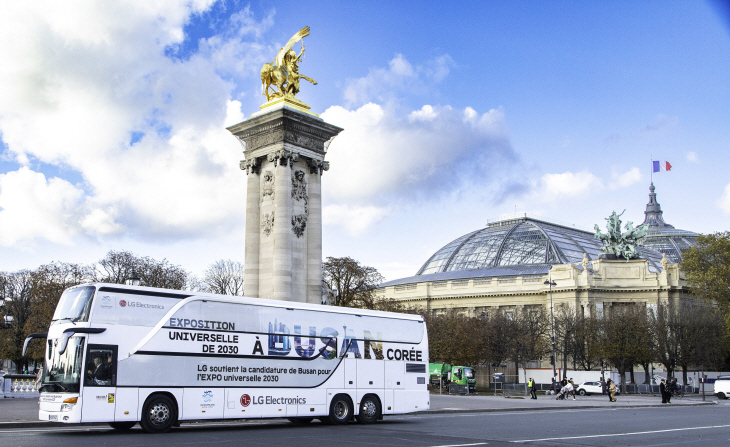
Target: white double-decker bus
(124,354)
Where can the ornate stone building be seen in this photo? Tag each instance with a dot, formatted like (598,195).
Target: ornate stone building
(504,267)
(284,150)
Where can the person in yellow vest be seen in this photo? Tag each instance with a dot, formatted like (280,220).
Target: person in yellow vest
(531,385)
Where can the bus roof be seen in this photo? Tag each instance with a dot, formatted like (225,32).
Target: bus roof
(182,294)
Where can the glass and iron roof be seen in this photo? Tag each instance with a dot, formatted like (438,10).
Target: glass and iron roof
(518,242)
(520,246)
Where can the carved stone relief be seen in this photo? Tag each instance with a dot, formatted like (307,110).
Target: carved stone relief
(267,187)
(299,193)
(267,223)
(298,186)
(299,224)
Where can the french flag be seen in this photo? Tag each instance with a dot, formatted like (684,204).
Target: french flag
(661,166)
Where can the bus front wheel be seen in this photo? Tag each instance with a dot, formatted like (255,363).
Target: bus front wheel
(340,410)
(122,425)
(158,414)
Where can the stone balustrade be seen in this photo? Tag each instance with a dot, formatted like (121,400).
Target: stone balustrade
(19,385)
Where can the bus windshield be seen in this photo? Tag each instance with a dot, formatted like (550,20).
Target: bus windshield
(74,304)
(63,371)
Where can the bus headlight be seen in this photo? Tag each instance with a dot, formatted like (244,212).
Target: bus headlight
(67,407)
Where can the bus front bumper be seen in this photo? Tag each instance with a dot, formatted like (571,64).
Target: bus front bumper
(59,412)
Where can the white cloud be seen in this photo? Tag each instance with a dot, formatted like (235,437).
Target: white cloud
(692,157)
(31,206)
(724,202)
(381,84)
(88,87)
(434,149)
(567,184)
(628,178)
(355,219)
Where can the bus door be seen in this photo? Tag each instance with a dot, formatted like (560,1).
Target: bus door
(100,384)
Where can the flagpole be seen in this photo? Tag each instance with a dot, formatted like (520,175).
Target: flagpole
(651,174)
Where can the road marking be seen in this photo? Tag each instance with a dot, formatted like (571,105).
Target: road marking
(622,434)
(461,445)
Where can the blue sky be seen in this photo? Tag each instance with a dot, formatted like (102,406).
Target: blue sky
(113,116)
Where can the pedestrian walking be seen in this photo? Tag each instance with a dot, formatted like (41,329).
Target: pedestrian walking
(612,391)
(663,390)
(531,384)
(572,387)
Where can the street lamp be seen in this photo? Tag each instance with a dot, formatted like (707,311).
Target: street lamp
(552,321)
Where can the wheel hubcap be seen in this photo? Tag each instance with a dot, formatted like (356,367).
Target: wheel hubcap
(369,409)
(159,414)
(341,410)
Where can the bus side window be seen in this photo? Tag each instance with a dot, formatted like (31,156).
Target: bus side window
(101,366)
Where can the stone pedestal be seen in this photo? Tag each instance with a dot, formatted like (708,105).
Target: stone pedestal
(284,150)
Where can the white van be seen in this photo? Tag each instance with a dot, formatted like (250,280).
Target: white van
(722,387)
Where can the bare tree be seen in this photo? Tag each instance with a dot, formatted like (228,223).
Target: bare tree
(16,289)
(626,337)
(224,277)
(119,266)
(352,284)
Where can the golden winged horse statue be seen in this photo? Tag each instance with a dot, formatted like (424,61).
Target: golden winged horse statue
(282,76)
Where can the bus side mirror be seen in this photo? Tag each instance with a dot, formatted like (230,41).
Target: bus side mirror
(28,340)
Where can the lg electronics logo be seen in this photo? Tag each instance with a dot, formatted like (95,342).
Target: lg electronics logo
(245,400)
(122,303)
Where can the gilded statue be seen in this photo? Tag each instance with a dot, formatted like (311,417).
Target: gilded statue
(280,78)
(615,242)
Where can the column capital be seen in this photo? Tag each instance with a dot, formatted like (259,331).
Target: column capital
(251,166)
(318,166)
(283,157)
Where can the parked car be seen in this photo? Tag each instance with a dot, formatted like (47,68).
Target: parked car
(588,388)
(722,387)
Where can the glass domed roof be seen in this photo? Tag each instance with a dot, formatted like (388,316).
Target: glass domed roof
(663,237)
(522,241)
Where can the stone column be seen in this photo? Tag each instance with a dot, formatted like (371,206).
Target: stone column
(253,227)
(282,265)
(314,231)
(284,204)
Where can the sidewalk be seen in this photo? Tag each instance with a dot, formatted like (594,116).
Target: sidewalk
(488,402)
(23,413)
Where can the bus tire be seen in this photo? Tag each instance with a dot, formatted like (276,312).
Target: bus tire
(340,410)
(159,414)
(300,421)
(369,410)
(122,425)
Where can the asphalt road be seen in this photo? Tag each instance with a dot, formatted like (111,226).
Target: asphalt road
(668,426)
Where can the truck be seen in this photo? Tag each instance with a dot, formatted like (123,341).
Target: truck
(453,378)
(438,373)
(128,355)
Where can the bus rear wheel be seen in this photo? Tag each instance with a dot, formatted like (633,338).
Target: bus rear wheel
(158,414)
(340,410)
(122,425)
(369,410)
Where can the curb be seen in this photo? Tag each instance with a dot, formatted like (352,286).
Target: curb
(592,407)
(40,424)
